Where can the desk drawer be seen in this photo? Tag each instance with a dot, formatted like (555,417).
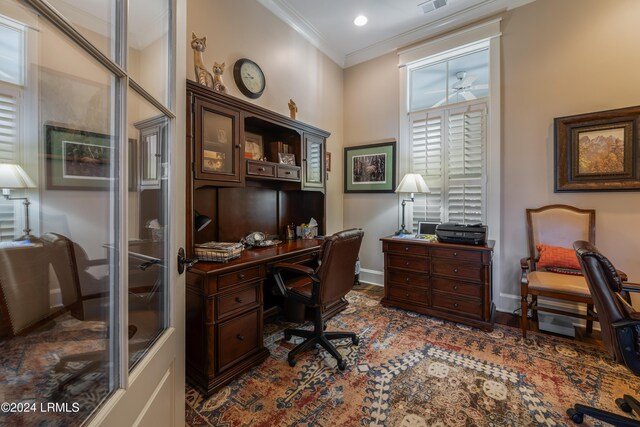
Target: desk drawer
(462,306)
(405,278)
(289,172)
(238,300)
(261,168)
(237,337)
(457,288)
(455,254)
(457,270)
(408,262)
(407,248)
(240,276)
(408,294)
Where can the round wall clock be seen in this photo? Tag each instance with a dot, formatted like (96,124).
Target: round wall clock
(249,78)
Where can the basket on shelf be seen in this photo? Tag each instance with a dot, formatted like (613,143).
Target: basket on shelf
(218,251)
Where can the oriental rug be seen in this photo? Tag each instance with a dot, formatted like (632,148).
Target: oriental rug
(415,370)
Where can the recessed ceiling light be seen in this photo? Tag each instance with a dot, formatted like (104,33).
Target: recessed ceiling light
(360,20)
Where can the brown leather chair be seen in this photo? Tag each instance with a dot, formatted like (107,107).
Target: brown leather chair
(332,280)
(555,225)
(619,324)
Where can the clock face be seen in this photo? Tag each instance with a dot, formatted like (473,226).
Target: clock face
(249,78)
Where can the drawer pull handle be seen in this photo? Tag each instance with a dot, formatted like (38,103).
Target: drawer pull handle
(455,270)
(455,254)
(406,279)
(455,287)
(239,300)
(455,305)
(240,337)
(406,295)
(406,263)
(241,276)
(406,248)
(287,173)
(260,169)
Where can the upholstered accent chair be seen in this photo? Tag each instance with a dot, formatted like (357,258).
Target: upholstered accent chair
(328,283)
(619,324)
(556,226)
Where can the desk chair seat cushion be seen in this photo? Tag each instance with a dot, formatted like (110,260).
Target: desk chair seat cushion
(301,285)
(546,281)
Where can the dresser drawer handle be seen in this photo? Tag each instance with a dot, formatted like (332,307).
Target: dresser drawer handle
(455,270)
(455,305)
(239,300)
(406,279)
(455,287)
(406,295)
(406,248)
(407,263)
(241,276)
(287,173)
(260,169)
(455,254)
(241,337)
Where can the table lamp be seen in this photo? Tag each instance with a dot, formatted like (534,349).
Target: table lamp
(12,177)
(411,183)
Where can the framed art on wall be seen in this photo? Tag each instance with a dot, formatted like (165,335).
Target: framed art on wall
(370,168)
(598,151)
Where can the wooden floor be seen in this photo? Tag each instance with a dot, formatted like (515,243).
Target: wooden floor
(501,318)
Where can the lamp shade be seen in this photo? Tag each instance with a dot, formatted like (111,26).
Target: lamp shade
(412,183)
(13,176)
(201,221)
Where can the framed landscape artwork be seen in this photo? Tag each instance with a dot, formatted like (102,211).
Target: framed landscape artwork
(598,151)
(370,168)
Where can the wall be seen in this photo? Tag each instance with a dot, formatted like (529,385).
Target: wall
(294,69)
(581,59)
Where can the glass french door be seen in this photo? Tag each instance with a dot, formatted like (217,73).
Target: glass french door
(89,300)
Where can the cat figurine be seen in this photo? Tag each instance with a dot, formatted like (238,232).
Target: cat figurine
(218,69)
(202,75)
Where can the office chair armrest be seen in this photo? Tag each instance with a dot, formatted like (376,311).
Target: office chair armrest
(301,269)
(627,343)
(628,308)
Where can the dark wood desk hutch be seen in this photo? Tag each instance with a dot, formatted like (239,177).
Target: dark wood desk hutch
(444,280)
(227,302)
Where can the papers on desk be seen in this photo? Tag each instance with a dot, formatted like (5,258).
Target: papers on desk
(423,237)
(16,244)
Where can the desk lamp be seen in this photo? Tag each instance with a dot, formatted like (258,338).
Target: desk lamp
(13,176)
(201,221)
(411,183)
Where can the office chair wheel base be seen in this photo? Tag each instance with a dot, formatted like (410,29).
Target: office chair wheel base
(342,365)
(623,405)
(576,417)
(355,340)
(292,361)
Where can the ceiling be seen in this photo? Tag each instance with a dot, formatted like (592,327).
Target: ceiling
(328,24)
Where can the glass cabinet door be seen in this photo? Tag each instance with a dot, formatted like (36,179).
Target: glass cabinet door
(217,143)
(313,162)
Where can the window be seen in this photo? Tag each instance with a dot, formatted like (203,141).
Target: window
(447,134)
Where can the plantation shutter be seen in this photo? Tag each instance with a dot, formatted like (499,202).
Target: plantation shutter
(448,150)
(8,143)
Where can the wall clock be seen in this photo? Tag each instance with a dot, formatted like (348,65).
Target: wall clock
(249,78)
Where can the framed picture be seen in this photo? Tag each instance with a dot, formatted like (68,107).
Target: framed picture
(328,161)
(287,159)
(253,146)
(77,160)
(598,151)
(370,168)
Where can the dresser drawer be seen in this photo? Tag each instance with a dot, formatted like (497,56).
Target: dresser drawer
(240,276)
(237,337)
(461,306)
(408,294)
(456,287)
(406,278)
(289,172)
(261,168)
(406,248)
(408,262)
(237,301)
(454,254)
(457,269)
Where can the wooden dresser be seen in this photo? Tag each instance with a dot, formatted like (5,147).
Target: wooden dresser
(444,280)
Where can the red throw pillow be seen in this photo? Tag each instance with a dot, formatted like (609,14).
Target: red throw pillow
(555,256)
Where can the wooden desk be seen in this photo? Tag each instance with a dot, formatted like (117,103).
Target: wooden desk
(444,280)
(225,308)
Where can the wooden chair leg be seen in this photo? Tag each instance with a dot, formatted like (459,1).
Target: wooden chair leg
(589,322)
(534,313)
(524,307)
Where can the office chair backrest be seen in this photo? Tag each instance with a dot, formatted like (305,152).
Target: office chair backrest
(61,256)
(604,282)
(559,225)
(337,270)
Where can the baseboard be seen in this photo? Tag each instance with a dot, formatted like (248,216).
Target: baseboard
(372,277)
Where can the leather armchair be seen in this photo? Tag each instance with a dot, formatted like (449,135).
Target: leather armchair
(329,282)
(620,328)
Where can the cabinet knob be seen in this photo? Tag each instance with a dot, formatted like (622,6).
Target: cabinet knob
(239,300)
(455,270)
(455,254)
(406,295)
(240,276)
(406,248)
(406,263)
(240,337)
(406,279)
(455,305)
(261,169)
(455,287)
(238,145)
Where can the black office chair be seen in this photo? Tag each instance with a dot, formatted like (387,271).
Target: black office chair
(332,280)
(619,324)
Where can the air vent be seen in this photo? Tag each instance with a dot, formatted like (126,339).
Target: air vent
(432,5)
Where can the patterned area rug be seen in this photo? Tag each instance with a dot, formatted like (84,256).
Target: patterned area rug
(414,370)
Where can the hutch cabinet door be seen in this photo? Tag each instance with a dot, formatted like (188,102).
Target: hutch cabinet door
(313,162)
(218,147)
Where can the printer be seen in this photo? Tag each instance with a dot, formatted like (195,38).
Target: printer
(469,234)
